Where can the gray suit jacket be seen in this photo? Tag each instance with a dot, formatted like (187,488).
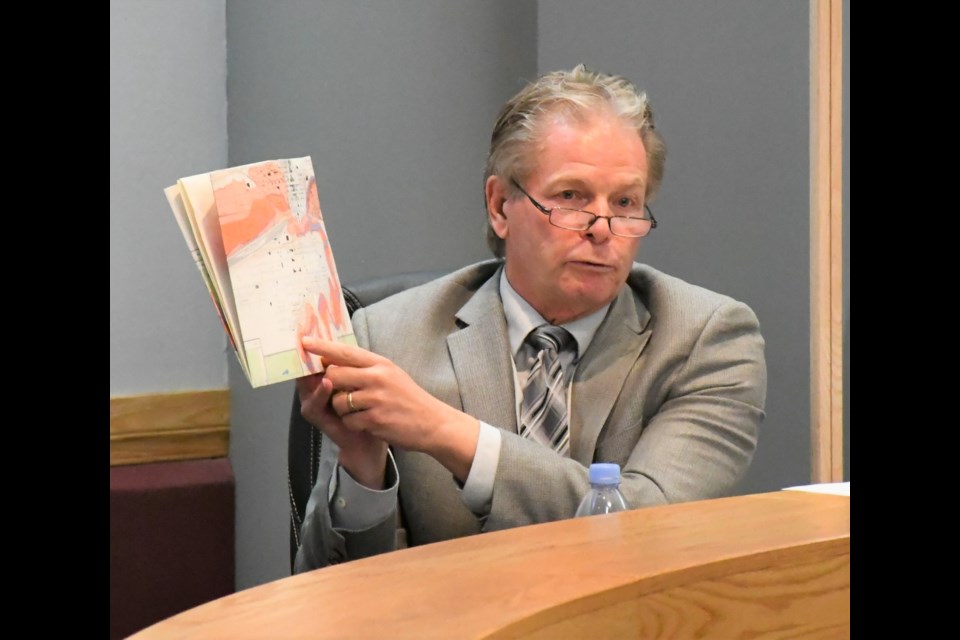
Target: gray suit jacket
(672,388)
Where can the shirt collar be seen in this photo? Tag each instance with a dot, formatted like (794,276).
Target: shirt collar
(522,319)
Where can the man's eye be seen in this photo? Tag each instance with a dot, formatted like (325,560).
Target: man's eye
(568,195)
(626,203)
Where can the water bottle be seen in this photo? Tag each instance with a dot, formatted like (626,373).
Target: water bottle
(604,495)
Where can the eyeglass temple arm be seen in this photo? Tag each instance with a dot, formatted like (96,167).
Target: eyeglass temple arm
(530,197)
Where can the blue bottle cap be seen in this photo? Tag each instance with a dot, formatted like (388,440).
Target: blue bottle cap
(604,473)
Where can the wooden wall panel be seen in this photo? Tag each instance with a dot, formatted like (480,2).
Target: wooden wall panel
(170,426)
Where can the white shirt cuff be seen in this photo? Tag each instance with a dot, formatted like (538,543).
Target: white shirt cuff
(354,507)
(478,489)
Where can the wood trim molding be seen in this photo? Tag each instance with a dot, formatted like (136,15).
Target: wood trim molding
(170,426)
(826,240)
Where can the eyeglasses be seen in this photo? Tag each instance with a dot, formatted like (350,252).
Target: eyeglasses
(580,220)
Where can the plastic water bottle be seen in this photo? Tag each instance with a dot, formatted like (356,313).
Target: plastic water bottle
(604,495)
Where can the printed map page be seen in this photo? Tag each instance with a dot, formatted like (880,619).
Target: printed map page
(201,209)
(281,268)
(175,199)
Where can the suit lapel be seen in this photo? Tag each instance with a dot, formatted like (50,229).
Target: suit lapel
(480,353)
(599,377)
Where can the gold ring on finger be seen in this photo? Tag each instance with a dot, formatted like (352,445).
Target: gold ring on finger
(350,404)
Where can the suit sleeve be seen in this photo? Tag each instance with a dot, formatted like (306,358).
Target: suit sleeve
(697,444)
(322,544)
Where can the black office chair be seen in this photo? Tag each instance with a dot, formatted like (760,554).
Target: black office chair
(303,445)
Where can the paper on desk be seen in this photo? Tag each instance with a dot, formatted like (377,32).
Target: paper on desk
(834,488)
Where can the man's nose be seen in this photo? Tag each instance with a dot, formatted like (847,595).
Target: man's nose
(599,231)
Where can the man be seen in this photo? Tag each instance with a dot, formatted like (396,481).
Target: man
(456,412)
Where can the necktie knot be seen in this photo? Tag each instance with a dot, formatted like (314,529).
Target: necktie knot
(552,337)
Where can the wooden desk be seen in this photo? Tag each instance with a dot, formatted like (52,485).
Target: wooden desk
(771,565)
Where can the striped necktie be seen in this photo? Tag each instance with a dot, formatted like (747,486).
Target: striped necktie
(548,353)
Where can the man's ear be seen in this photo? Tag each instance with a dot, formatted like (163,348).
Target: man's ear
(496,193)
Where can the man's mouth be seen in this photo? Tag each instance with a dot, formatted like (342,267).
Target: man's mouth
(589,264)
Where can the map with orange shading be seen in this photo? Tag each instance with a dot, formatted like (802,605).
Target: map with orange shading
(281,275)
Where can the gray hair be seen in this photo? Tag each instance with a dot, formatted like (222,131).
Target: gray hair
(574,94)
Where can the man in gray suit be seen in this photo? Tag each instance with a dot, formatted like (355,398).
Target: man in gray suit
(424,423)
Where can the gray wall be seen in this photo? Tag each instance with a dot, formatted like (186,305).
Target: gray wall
(729,85)
(168,119)
(394,101)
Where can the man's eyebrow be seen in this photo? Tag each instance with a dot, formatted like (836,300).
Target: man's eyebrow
(574,181)
(565,180)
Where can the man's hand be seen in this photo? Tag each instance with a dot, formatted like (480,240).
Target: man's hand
(362,455)
(376,399)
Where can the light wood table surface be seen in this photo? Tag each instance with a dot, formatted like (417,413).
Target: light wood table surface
(772,565)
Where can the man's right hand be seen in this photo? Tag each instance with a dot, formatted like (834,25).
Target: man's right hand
(362,455)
